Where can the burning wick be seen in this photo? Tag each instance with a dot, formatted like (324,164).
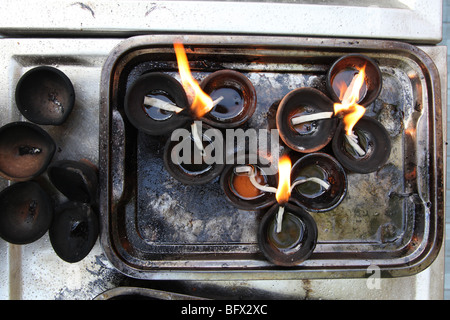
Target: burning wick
(167,106)
(284,189)
(252,176)
(352,110)
(201,102)
(353,141)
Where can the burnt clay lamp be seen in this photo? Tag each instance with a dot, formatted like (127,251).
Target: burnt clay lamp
(368,151)
(294,243)
(156,104)
(77,180)
(318,182)
(287,234)
(25,151)
(247,185)
(304,120)
(194,159)
(235,98)
(74,231)
(45,95)
(344,69)
(26,212)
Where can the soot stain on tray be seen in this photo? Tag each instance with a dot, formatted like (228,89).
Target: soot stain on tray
(170,212)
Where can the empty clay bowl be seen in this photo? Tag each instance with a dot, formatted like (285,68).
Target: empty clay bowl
(45,95)
(77,180)
(74,231)
(26,212)
(25,151)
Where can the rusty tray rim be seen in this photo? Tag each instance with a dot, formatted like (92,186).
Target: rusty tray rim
(437,188)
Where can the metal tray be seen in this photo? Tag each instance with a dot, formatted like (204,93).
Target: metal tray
(154,227)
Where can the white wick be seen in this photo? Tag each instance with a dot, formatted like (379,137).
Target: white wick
(252,175)
(311,117)
(324,184)
(158,103)
(353,141)
(196,136)
(161,104)
(280,218)
(215,102)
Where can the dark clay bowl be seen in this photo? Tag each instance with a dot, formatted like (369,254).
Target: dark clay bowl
(312,196)
(45,96)
(152,120)
(239,190)
(77,180)
(309,136)
(188,172)
(348,66)
(296,241)
(373,139)
(239,98)
(26,150)
(26,212)
(74,231)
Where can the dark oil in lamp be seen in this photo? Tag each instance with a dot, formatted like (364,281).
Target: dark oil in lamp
(311,189)
(156,113)
(296,240)
(230,106)
(290,235)
(194,167)
(234,97)
(303,128)
(373,146)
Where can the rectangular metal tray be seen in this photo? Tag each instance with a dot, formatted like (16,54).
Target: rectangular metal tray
(154,227)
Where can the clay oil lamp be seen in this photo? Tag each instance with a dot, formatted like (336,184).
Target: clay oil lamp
(25,151)
(319,182)
(235,96)
(74,231)
(27,212)
(195,158)
(305,120)
(196,165)
(248,185)
(77,180)
(287,234)
(343,71)
(369,150)
(154,104)
(45,95)
(361,144)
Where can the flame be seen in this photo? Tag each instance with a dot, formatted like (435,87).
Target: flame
(202,103)
(284,175)
(349,97)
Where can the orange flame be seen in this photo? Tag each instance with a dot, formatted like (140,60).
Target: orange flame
(284,184)
(202,103)
(349,97)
